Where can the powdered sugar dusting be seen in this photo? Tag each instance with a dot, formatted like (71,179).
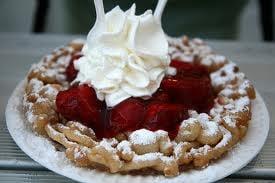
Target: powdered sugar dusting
(49,90)
(225,75)
(211,127)
(238,105)
(213,58)
(36,84)
(227,136)
(147,157)
(178,149)
(108,145)
(125,147)
(188,50)
(167,159)
(81,152)
(229,121)
(241,103)
(202,150)
(143,137)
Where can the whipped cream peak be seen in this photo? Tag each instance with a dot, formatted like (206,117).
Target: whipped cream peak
(125,55)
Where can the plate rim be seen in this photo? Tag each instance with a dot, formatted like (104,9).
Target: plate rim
(9,117)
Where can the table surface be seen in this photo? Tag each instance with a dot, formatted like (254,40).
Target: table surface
(19,51)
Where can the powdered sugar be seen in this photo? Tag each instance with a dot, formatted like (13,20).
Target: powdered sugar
(241,103)
(178,149)
(146,157)
(161,133)
(167,159)
(202,150)
(186,123)
(80,126)
(211,127)
(227,74)
(36,85)
(227,136)
(108,144)
(213,59)
(49,90)
(238,105)
(143,137)
(149,157)
(188,50)
(29,114)
(226,92)
(229,121)
(80,152)
(125,147)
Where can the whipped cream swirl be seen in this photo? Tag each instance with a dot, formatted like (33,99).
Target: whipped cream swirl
(125,56)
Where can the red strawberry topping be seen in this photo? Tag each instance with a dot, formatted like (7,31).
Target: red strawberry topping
(188,69)
(189,91)
(126,116)
(71,72)
(80,103)
(190,88)
(160,96)
(165,116)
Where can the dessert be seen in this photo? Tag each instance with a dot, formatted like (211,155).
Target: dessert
(129,98)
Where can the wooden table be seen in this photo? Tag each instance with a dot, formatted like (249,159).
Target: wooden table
(19,51)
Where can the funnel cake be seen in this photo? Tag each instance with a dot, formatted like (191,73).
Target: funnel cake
(203,134)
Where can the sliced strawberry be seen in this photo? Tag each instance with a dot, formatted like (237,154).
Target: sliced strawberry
(188,69)
(190,91)
(71,72)
(165,116)
(126,116)
(80,103)
(160,96)
(67,103)
(191,86)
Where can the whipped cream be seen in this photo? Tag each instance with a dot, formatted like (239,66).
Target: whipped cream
(125,55)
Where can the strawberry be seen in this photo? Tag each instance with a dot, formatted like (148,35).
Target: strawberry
(80,103)
(188,69)
(189,91)
(165,116)
(191,86)
(160,96)
(71,72)
(126,116)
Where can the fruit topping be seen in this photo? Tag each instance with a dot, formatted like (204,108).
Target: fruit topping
(191,86)
(165,116)
(188,69)
(160,96)
(126,116)
(71,72)
(80,103)
(188,91)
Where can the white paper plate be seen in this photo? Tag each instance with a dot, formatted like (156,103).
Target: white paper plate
(42,151)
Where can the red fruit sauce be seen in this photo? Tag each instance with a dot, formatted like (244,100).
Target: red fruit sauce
(190,88)
(80,103)
(165,116)
(71,72)
(126,116)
